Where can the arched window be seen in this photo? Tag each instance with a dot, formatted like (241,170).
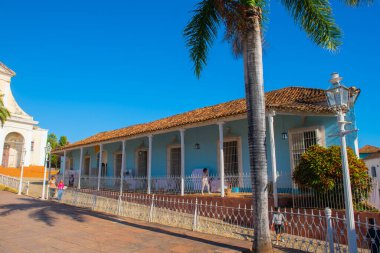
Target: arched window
(13,150)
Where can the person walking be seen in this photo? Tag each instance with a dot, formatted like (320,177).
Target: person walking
(278,223)
(205,181)
(52,186)
(60,187)
(373,236)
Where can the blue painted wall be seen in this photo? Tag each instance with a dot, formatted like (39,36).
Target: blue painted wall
(207,155)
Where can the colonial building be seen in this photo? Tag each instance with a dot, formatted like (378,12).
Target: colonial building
(167,153)
(20,137)
(371,156)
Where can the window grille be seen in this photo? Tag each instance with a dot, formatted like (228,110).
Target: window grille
(69,163)
(86,171)
(231,158)
(104,165)
(118,161)
(142,163)
(300,142)
(373,171)
(175,161)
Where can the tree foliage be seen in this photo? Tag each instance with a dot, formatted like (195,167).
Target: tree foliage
(320,169)
(4,113)
(54,143)
(63,141)
(53,140)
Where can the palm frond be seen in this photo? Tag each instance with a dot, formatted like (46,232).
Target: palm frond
(4,113)
(356,3)
(315,17)
(201,32)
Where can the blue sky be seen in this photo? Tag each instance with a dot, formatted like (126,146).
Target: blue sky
(89,66)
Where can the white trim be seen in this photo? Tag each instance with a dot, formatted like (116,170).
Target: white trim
(273,156)
(221,158)
(149,172)
(182,134)
(168,156)
(123,156)
(100,163)
(80,167)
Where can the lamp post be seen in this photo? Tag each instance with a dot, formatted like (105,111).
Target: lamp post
(47,155)
(22,170)
(341,99)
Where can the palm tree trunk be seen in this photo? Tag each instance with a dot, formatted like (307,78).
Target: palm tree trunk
(255,100)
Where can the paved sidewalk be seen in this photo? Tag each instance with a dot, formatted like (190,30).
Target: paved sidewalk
(32,225)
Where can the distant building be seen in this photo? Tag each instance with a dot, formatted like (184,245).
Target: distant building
(371,158)
(20,137)
(367,150)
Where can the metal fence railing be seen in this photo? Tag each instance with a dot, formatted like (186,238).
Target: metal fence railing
(305,230)
(14,183)
(163,184)
(364,198)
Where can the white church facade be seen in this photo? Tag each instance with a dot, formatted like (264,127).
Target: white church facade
(20,137)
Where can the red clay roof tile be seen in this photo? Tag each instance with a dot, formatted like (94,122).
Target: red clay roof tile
(290,99)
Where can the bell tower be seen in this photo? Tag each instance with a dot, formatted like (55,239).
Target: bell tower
(21,139)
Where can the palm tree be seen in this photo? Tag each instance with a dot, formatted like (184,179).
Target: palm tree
(243,20)
(4,113)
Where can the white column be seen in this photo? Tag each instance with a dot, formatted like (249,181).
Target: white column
(100,164)
(122,167)
(182,132)
(356,145)
(221,158)
(150,138)
(43,195)
(63,169)
(350,222)
(22,171)
(273,157)
(28,155)
(80,166)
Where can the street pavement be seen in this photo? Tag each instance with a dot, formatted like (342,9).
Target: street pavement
(32,225)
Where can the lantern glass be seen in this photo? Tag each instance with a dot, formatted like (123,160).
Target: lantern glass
(338,96)
(284,135)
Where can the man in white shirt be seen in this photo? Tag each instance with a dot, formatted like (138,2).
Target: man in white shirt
(278,222)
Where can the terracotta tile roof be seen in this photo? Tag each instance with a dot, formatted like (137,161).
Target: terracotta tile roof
(290,99)
(368,149)
(373,156)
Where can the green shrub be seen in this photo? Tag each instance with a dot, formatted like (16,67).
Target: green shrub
(320,169)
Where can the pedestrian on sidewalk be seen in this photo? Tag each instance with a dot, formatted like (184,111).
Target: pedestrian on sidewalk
(52,187)
(278,223)
(60,187)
